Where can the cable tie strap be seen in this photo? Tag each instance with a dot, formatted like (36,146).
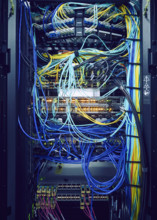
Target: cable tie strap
(132,39)
(131,136)
(130,87)
(129,161)
(133,185)
(131,63)
(144,169)
(76,53)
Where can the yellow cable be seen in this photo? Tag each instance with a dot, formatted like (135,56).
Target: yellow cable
(80,112)
(146,7)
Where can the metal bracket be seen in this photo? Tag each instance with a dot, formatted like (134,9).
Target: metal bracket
(5,62)
(152,62)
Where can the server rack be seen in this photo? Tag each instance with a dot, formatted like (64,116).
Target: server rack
(24,179)
(3,127)
(149,121)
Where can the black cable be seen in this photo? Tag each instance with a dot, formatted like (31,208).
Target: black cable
(100,77)
(144,161)
(94,58)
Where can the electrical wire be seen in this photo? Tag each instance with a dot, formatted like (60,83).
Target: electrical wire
(68,71)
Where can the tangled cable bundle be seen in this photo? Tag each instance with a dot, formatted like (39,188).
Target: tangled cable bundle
(71,71)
